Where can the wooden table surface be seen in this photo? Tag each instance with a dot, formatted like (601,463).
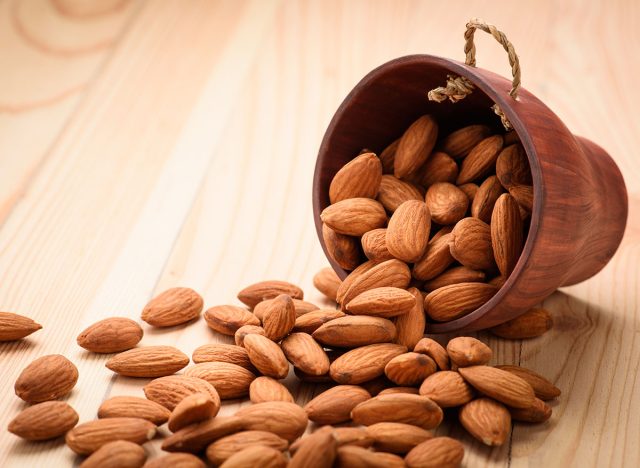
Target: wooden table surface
(149,144)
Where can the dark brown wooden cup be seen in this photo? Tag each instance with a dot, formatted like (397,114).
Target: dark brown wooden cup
(580,200)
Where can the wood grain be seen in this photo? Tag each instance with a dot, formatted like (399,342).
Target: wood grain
(184,155)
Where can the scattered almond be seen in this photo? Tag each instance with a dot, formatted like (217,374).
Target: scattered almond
(397,437)
(134,407)
(465,351)
(224,448)
(409,368)
(88,437)
(327,282)
(176,460)
(447,388)
(533,323)
(195,437)
(486,420)
(111,335)
(171,390)
(355,216)
(435,351)
(116,454)
(333,406)
(537,413)
(305,353)
(14,326)
(287,420)
(173,307)
(499,385)
(374,245)
(220,352)
(542,387)
(264,389)
(351,456)
(343,249)
(44,421)
(310,322)
(352,331)
(148,361)
(436,453)
(256,455)
(47,378)
(382,302)
(410,326)
(318,450)
(226,319)
(258,292)
(193,409)
(245,330)
(456,300)
(399,407)
(266,356)
(229,380)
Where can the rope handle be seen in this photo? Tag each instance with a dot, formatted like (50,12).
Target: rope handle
(458,87)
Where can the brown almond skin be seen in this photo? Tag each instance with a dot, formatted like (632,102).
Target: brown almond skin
(440,167)
(410,326)
(471,244)
(170,390)
(355,330)
(302,307)
(399,407)
(355,216)
(485,199)
(374,245)
(287,420)
(397,437)
(480,160)
(333,406)
(222,449)
(47,378)
(44,421)
(352,277)
(382,302)
(539,412)
(14,326)
(264,389)
(438,452)
(387,157)
(460,142)
(533,323)
(470,190)
(465,351)
(447,388)
(310,322)
(447,203)
(173,307)
(512,167)
(245,330)
(195,437)
(394,192)
(436,259)
(229,380)
(415,146)
(305,353)
(256,455)
(344,436)
(455,275)
(111,335)
(258,292)
(176,460)
(343,249)
(487,420)
(134,407)
(148,361)
(351,456)
(318,450)
(116,454)
(279,317)
(88,437)
(523,194)
(435,351)
(226,319)
(500,385)
(407,235)
(359,178)
(409,368)
(220,352)
(392,390)
(193,409)
(456,300)
(266,356)
(507,237)
(392,273)
(365,363)
(542,387)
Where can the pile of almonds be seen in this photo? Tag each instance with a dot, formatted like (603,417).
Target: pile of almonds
(444,214)
(384,384)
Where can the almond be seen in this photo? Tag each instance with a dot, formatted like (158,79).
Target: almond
(229,380)
(387,157)
(415,146)
(343,249)
(507,238)
(511,137)
(116,454)
(193,409)
(352,277)
(537,413)
(543,389)
(499,385)
(531,324)
(351,456)
(480,159)
(353,331)
(399,407)
(47,378)
(471,244)
(359,178)
(334,406)
(44,421)
(318,450)
(486,420)
(219,352)
(310,322)
(392,390)
(173,307)
(14,326)
(470,190)
(392,273)
(226,319)
(438,452)
(365,363)
(171,390)
(111,335)
(498,281)
(397,437)
(88,437)
(327,282)
(305,353)
(134,407)
(447,388)
(350,436)
(485,199)
(264,389)
(224,448)
(287,420)
(176,460)
(355,216)
(302,307)
(256,455)
(523,194)
(440,167)
(465,351)
(512,167)
(436,259)
(382,302)
(408,232)
(394,192)
(459,143)
(409,368)
(148,361)
(279,317)
(258,292)
(435,351)
(447,203)
(374,245)
(455,275)
(247,330)
(195,437)
(314,379)
(266,356)
(410,326)
(377,384)
(456,300)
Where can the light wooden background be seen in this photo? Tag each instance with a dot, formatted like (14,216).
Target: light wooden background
(148,144)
